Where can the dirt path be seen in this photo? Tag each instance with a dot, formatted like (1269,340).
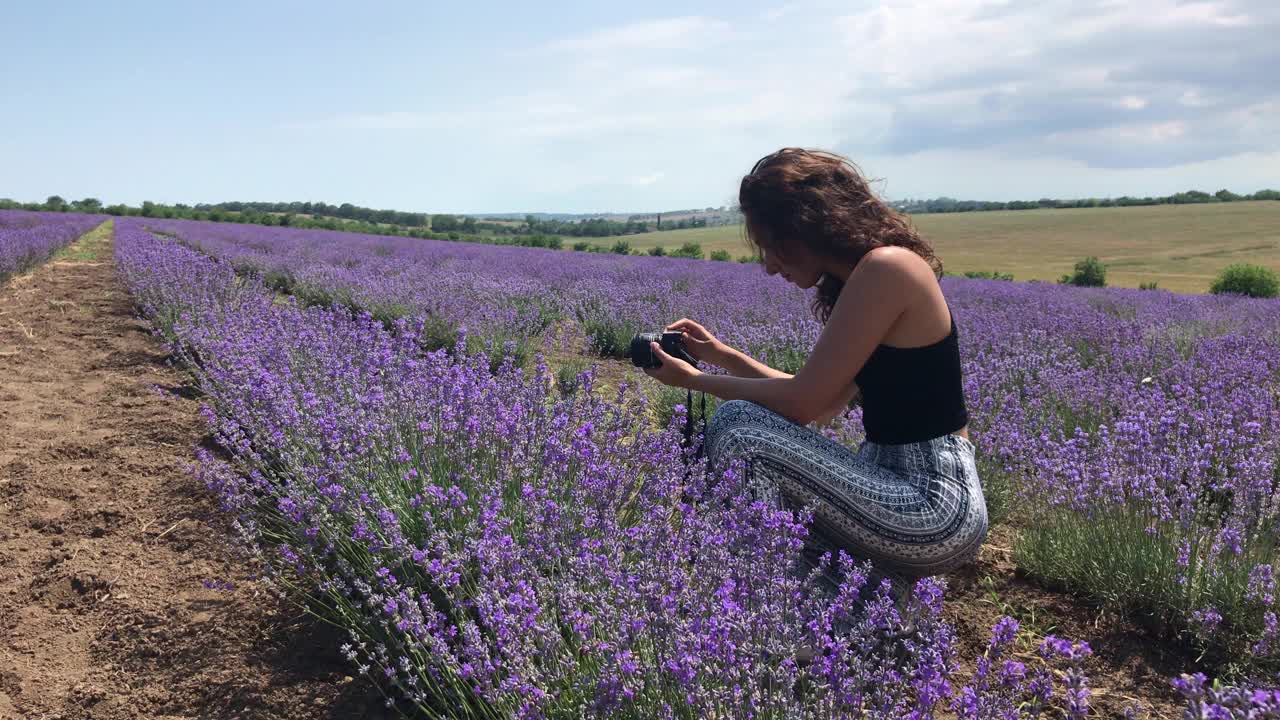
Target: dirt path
(111,555)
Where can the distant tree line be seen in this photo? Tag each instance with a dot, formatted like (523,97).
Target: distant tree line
(346,215)
(600,227)
(345,211)
(951,205)
(215,213)
(313,214)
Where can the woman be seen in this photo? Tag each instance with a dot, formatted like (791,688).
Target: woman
(908,498)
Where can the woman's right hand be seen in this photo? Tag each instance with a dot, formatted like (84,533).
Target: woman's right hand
(701,344)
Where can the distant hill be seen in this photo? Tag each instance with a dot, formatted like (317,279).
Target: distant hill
(1190,197)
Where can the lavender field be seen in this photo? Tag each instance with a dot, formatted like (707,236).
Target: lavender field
(29,238)
(399,453)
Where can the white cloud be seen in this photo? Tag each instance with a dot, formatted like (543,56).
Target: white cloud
(1017,79)
(1115,87)
(646,180)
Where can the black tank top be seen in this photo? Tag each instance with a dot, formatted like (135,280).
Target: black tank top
(913,394)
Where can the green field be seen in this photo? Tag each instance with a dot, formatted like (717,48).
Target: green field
(1180,247)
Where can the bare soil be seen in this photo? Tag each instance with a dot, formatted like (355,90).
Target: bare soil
(107,541)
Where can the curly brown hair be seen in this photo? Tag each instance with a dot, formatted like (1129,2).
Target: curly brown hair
(822,200)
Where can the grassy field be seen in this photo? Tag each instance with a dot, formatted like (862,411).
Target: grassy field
(1180,247)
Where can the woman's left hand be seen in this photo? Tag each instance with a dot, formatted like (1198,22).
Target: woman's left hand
(672,371)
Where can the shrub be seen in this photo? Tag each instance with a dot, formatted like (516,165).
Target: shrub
(608,335)
(582,246)
(568,377)
(746,258)
(720,255)
(281,281)
(658,251)
(622,247)
(1246,279)
(1089,272)
(1147,286)
(688,250)
(987,275)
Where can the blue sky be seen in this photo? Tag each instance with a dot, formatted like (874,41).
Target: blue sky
(595,107)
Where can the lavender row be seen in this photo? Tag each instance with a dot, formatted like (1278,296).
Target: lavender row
(29,238)
(511,294)
(500,550)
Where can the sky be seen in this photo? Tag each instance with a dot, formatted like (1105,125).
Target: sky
(614,107)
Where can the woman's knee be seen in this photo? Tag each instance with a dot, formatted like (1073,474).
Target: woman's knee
(729,420)
(733,413)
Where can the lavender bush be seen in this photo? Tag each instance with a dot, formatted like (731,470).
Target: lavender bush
(29,238)
(1216,701)
(1004,687)
(498,549)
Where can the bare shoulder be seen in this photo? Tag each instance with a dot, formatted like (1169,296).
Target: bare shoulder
(895,264)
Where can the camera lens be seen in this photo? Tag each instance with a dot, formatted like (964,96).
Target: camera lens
(641,354)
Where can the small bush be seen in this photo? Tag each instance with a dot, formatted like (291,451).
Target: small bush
(246,267)
(582,246)
(1246,279)
(658,251)
(622,247)
(568,380)
(311,294)
(720,255)
(1114,557)
(746,258)
(1147,286)
(281,281)
(609,336)
(688,250)
(1089,272)
(987,275)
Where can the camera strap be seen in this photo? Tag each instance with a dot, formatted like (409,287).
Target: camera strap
(688,419)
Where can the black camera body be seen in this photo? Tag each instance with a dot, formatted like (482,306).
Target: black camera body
(672,343)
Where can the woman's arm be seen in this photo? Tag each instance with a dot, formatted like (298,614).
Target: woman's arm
(878,291)
(707,347)
(740,364)
(840,406)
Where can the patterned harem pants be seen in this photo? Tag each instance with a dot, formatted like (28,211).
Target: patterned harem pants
(912,510)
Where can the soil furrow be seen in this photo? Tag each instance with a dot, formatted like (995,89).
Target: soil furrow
(120,595)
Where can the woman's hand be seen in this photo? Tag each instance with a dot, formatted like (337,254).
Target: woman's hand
(701,344)
(677,373)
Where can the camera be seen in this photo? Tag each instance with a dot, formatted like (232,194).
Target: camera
(672,343)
